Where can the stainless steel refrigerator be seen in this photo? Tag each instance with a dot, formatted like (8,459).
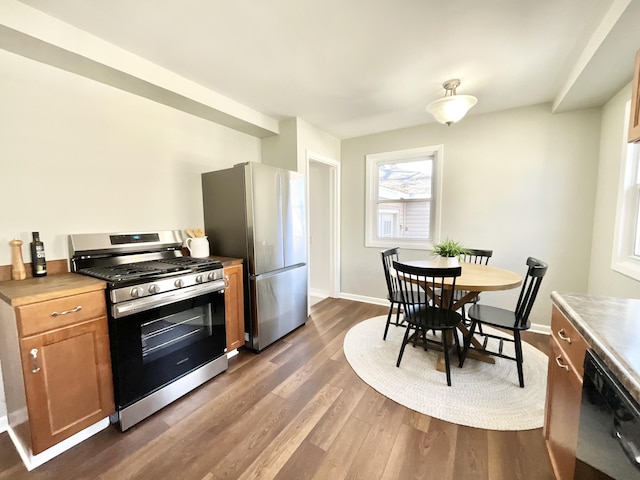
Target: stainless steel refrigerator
(257,212)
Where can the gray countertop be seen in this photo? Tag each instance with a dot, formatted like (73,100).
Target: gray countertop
(612,327)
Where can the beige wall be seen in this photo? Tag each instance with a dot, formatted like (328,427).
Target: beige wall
(80,156)
(297,137)
(613,136)
(281,150)
(521,182)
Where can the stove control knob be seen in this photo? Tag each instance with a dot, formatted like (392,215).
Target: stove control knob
(199,279)
(211,276)
(179,283)
(153,288)
(135,292)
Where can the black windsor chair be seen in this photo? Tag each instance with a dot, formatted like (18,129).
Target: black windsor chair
(428,312)
(393,288)
(477,256)
(514,321)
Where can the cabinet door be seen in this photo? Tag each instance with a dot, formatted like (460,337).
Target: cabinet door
(67,376)
(234,307)
(564,393)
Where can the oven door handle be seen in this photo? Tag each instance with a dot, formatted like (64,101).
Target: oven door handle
(147,303)
(629,448)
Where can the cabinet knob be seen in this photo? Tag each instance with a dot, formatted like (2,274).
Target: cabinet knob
(34,356)
(560,364)
(226,281)
(561,334)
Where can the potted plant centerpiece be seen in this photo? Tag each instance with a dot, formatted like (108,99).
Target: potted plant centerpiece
(448,248)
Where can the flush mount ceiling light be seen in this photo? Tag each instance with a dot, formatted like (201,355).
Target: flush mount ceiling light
(452,107)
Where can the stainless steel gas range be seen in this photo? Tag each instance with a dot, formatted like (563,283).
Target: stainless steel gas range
(166,316)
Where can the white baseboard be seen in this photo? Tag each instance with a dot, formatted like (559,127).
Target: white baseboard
(539,328)
(362,298)
(33,461)
(535,327)
(316,292)
(4,423)
(232,353)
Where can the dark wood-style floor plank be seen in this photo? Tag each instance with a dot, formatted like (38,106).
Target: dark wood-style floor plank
(296,411)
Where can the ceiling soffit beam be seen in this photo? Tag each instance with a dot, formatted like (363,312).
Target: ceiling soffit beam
(29,33)
(602,61)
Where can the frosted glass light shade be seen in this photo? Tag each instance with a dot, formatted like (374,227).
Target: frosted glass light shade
(452,108)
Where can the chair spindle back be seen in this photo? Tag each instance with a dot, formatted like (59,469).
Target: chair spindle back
(413,279)
(474,255)
(530,286)
(388,257)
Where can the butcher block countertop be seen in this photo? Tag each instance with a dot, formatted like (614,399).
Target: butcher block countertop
(611,326)
(33,290)
(227,261)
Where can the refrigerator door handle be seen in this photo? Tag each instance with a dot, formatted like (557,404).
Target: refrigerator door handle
(276,272)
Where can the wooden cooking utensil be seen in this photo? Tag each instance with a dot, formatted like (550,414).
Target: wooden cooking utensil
(190,233)
(199,232)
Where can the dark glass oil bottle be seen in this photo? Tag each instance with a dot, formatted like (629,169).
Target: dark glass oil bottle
(38,261)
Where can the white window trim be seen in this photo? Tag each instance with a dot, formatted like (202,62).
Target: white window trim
(371,239)
(622,259)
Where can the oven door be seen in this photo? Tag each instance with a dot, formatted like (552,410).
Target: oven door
(153,348)
(609,434)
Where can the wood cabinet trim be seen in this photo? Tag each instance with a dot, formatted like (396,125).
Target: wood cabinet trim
(634,117)
(564,394)
(234,307)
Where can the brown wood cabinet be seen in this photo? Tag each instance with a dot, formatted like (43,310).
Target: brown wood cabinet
(634,119)
(564,393)
(234,306)
(58,367)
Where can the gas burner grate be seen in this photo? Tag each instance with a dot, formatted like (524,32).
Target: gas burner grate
(130,271)
(190,262)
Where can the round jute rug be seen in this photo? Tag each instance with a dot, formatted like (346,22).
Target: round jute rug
(482,395)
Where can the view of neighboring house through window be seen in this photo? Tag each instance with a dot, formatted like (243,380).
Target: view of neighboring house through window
(403,197)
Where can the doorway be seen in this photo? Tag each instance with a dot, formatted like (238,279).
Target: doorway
(323,179)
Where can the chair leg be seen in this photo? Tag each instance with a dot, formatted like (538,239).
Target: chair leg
(445,348)
(457,340)
(386,328)
(404,344)
(467,343)
(519,359)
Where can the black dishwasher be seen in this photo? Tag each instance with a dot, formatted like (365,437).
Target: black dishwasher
(609,433)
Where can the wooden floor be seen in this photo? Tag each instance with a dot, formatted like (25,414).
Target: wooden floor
(295,411)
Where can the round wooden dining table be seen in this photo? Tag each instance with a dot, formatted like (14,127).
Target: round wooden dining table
(475,278)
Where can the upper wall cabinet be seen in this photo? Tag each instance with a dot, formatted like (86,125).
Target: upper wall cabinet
(634,121)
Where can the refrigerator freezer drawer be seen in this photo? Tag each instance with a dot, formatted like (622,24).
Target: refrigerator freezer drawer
(279,304)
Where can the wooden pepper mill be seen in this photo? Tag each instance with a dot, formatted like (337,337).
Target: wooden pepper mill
(17,264)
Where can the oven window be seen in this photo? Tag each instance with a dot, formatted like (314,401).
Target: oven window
(153,348)
(173,332)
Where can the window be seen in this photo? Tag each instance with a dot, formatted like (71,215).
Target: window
(626,247)
(403,198)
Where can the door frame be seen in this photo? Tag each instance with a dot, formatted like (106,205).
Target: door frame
(334,213)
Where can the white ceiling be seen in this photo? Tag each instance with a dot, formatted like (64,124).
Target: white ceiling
(355,67)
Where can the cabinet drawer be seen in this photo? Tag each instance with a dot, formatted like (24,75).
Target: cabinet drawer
(52,314)
(569,339)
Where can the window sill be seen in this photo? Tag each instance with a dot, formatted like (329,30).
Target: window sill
(406,244)
(630,268)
